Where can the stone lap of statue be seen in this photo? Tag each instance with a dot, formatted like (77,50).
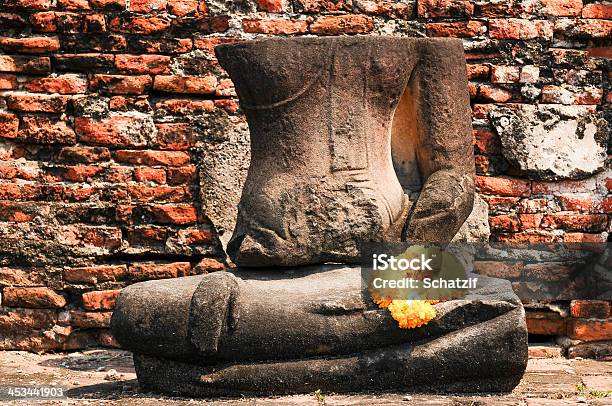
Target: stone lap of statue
(334,122)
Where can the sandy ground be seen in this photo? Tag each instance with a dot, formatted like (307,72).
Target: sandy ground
(106,377)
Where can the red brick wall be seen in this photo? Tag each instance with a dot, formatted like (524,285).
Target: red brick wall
(103,102)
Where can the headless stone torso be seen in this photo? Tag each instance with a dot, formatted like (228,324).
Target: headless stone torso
(324,116)
(321,114)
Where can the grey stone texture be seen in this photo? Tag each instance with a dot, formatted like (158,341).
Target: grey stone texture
(552,142)
(325,115)
(311,328)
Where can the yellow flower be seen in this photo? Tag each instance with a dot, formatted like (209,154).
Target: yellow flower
(411,313)
(382,303)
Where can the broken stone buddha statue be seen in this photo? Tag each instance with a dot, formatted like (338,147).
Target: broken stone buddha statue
(343,131)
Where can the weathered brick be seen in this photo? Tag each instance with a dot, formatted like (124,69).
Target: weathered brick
(170,214)
(8,82)
(90,319)
(529,74)
(28,170)
(482,164)
(207,265)
(108,4)
(209,43)
(500,8)
(84,154)
(502,186)
(80,173)
(37,103)
(494,93)
(576,201)
(548,271)
(342,24)
(477,71)
(500,203)
(9,124)
(45,130)
(504,223)
(94,23)
(564,186)
(33,45)
(150,157)
(130,103)
(157,194)
(21,320)
(62,84)
(151,64)
(95,274)
(147,6)
(100,300)
(590,330)
(139,24)
(74,4)
(563,95)
(271,6)
(315,6)
(578,222)
(107,238)
(16,212)
(22,277)
(185,106)
(445,8)
(505,74)
(185,84)
(597,10)
(558,8)
(147,174)
(116,131)
(181,175)
(47,21)
(29,4)
(583,28)
(456,29)
(486,142)
(160,45)
(499,269)
(274,26)
(606,204)
(596,350)
(548,324)
(585,238)
(147,236)
(513,28)
(175,136)
(84,62)
(185,7)
(32,297)
(94,42)
(203,25)
(530,221)
(146,271)
(12,21)
(586,309)
(195,236)
(120,84)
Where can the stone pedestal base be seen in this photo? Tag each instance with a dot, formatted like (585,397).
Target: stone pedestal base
(268,333)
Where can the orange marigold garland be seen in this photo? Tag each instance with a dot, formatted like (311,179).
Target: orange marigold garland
(409,313)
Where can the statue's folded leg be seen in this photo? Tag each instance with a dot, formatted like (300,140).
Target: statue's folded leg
(263,332)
